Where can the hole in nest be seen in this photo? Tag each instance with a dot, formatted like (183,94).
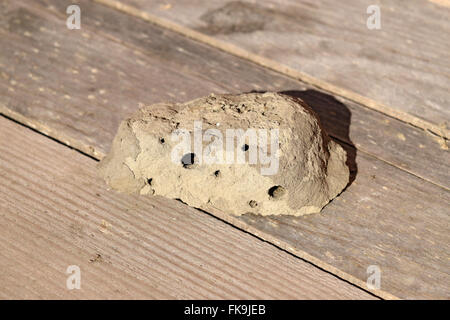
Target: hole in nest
(149,181)
(252,203)
(245,147)
(276,192)
(188,160)
(162,140)
(217,173)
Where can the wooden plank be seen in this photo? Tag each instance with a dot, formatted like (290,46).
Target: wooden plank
(401,70)
(422,205)
(55,213)
(147,64)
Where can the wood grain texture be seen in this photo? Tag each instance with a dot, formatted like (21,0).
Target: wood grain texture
(92,78)
(401,69)
(412,250)
(55,212)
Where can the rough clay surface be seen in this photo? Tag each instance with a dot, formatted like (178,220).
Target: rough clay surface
(311,171)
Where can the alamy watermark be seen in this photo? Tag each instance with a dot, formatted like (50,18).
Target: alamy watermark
(374,279)
(74,19)
(74,279)
(236,147)
(374,20)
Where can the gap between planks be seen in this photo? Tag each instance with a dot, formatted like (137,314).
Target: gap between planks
(281,68)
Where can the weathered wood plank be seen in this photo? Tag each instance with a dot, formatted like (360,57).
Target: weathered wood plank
(55,213)
(401,69)
(147,64)
(422,205)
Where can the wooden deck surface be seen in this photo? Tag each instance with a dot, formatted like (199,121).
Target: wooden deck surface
(77,85)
